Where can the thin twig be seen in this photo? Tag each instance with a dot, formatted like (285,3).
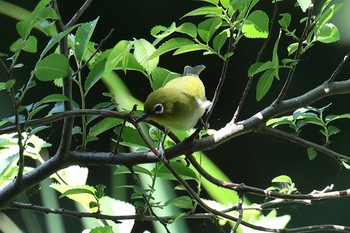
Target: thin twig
(128,116)
(240,213)
(297,55)
(117,219)
(305,143)
(78,14)
(339,67)
(242,188)
(94,53)
(250,80)
(161,221)
(192,193)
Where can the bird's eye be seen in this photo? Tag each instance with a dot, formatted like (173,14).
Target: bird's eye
(158,108)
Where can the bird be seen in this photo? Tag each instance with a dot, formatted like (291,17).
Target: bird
(180,103)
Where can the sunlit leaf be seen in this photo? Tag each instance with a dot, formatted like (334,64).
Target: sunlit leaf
(328,33)
(82,38)
(142,52)
(256,25)
(304,4)
(170,45)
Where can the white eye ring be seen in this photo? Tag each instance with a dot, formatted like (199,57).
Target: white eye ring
(158,108)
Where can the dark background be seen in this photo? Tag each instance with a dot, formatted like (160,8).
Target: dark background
(252,159)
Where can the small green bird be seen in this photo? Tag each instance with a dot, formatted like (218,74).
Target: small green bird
(180,103)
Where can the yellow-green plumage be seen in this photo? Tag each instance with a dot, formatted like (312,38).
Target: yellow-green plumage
(179,104)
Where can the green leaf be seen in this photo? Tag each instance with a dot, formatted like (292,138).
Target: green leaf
(190,48)
(325,16)
(346,164)
(161,76)
(82,194)
(225,3)
(280,121)
(82,38)
(9,84)
(328,33)
(142,51)
(205,10)
(17,45)
(36,110)
(259,67)
(184,202)
(105,229)
(311,153)
(137,169)
(275,59)
(48,13)
(2,86)
(220,39)
(30,45)
(24,27)
(52,67)
(119,56)
(131,137)
(185,172)
(214,2)
(103,126)
(292,48)
(208,27)
(285,20)
(264,84)
(129,62)
(188,29)
(38,129)
(310,118)
(282,179)
(95,74)
(76,130)
(53,98)
(332,130)
(54,40)
(161,32)
(304,4)
(75,191)
(100,190)
(256,25)
(170,45)
(330,118)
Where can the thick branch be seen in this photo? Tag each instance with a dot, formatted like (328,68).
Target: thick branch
(228,132)
(64,147)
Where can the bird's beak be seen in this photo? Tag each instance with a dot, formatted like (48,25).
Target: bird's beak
(141,117)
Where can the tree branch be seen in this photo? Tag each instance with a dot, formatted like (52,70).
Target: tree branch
(297,55)
(64,146)
(305,143)
(339,67)
(228,132)
(78,14)
(250,79)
